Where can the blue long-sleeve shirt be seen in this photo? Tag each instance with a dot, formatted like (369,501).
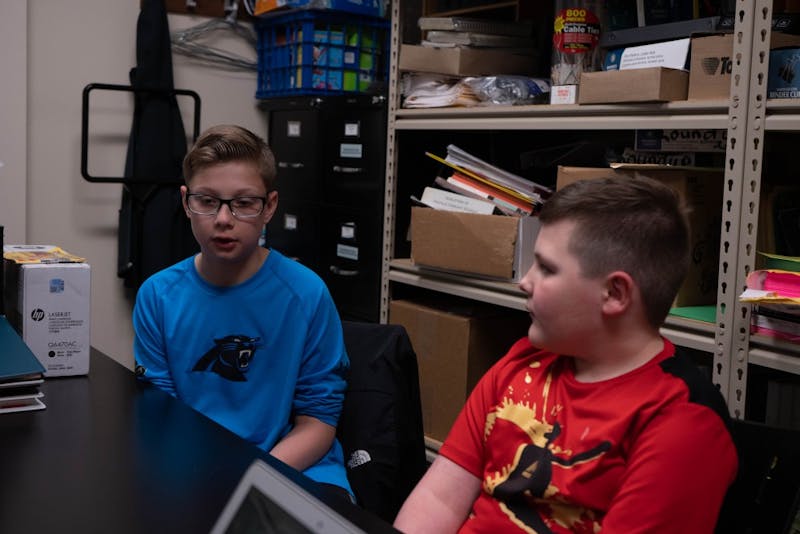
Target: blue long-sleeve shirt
(252,356)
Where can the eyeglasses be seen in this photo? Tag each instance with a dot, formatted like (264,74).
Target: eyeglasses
(241,207)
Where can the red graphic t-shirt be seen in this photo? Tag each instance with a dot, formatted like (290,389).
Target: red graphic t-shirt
(630,454)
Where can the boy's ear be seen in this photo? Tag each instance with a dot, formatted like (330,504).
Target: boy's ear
(618,292)
(270,206)
(185,190)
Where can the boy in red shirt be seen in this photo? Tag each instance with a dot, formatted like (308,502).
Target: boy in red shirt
(593,423)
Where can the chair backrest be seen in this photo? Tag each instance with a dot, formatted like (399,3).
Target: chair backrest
(765,497)
(380,428)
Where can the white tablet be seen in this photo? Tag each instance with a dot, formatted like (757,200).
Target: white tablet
(267,502)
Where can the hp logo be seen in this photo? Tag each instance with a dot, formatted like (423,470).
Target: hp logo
(37,314)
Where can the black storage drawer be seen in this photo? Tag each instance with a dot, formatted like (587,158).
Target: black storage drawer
(331,159)
(294,139)
(295,231)
(351,260)
(355,156)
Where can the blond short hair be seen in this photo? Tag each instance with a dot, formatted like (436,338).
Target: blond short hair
(225,143)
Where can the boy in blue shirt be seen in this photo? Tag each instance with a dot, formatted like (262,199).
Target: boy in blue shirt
(239,332)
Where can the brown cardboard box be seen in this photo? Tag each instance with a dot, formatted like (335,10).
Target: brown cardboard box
(712,62)
(494,246)
(701,192)
(464,61)
(454,348)
(653,84)
(710,66)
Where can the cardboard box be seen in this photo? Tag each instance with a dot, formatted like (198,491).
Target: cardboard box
(372,8)
(701,192)
(47,294)
(710,66)
(464,61)
(656,84)
(455,347)
(712,63)
(493,246)
(783,78)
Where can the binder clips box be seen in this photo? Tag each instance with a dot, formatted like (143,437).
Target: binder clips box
(700,191)
(464,61)
(455,343)
(783,78)
(654,84)
(493,246)
(48,302)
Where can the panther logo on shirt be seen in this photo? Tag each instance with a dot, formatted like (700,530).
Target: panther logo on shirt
(230,357)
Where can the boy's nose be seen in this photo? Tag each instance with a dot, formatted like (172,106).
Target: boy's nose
(526,283)
(224,213)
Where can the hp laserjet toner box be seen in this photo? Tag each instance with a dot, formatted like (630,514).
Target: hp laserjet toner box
(47,293)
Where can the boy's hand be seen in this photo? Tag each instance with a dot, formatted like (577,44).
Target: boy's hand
(306,443)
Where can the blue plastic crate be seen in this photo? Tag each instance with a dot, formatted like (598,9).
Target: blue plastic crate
(311,52)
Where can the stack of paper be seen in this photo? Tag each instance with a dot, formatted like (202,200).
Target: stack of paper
(514,37)
(436,91)
(21,373)
(473,177)
(775,295)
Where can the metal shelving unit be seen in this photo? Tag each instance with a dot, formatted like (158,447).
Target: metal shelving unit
(705,114)
(745,116)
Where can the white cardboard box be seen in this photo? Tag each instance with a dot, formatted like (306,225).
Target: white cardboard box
(49,305)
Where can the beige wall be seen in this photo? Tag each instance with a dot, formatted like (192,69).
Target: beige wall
(46,200)
(13,122)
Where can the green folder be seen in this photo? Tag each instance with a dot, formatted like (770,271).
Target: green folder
(707,314)
(17,362)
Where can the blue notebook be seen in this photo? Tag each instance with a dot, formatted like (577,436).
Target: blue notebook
(17,362)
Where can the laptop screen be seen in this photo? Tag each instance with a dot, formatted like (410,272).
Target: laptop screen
(258,513)
(267,502)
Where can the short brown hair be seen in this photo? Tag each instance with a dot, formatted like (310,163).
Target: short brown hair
(225,143)
(636,225)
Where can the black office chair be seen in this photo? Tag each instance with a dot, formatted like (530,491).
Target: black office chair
(380,428)
(765,497)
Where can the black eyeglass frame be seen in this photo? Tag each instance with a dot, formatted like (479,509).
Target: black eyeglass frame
(227,202)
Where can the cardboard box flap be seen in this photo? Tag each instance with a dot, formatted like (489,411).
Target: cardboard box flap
(528,231)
